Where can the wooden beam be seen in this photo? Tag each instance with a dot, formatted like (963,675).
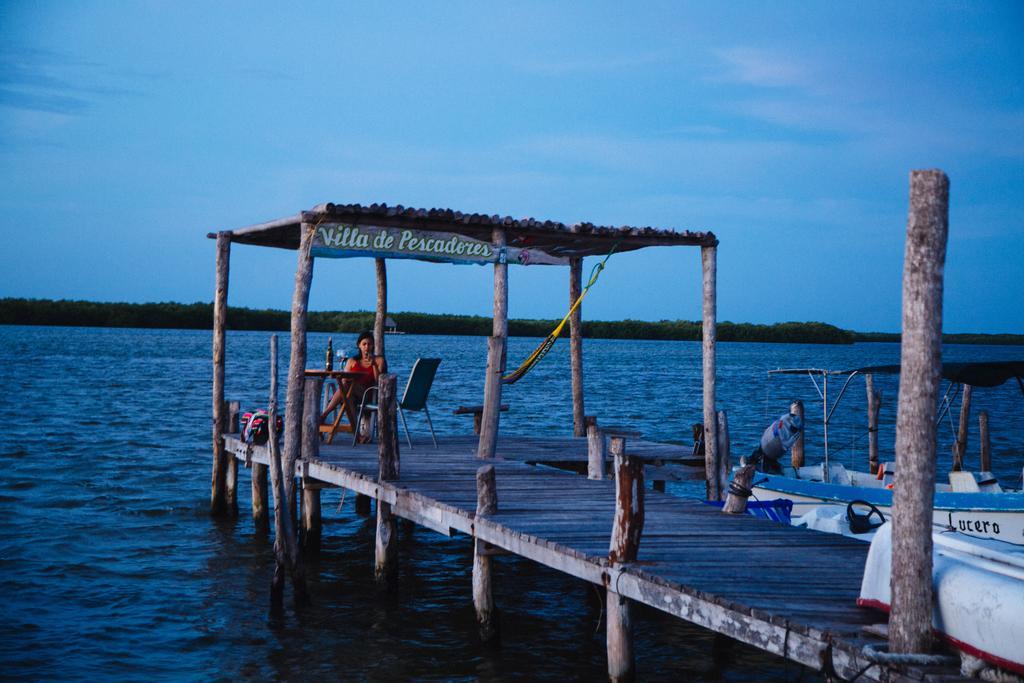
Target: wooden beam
(984,445)
(495,354)
(483,594)
(386,547)
(311,513)
(910,624)
(623,548)
(960,446)
(724,466)
(297,362)
(231,411)
(286,552)
(708,258)
(382,306)
(218,501)
(796,456)
(579,427)
(596,449)
(874,406)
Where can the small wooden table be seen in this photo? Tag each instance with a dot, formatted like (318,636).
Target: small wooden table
(346,409)
(477,413)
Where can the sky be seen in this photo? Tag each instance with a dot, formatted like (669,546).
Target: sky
(129,130)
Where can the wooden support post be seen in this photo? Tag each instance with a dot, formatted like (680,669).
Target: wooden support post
(739,490)
(708,258)
(874,406)
(960,446)
(218,497)
(297,361)
(483,594)
(231,411)
(286,551)
(596,449)
(723,453)
(910,623)
(386,551)
(382,306)
(311,517)
(260,494)
(984,445)
(625,544)
(495,353)
(579,426)
(796,456)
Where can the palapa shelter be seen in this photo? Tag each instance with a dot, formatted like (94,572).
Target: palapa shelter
(383,232)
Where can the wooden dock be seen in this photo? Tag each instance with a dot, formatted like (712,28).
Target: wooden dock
(785,590)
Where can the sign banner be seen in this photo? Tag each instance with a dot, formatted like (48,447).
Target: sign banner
(341,240)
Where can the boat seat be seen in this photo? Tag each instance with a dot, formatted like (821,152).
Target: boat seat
(974,482)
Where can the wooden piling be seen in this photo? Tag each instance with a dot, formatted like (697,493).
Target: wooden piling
(483,594)
(960,445)
(910,623)
(286,551)
(260,494)
(382,306)
(496,345)
(311,514)
(874,406)
(739,490)
(297,361)
(984,446)
(596,449)
(623,548)
(796,456)
(724,465)
(218,499)
(386,549)
(579,426)
(708,258)
(231,412)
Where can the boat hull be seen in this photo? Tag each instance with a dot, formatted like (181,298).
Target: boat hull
(978,589)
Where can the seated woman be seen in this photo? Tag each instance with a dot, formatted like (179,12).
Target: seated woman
(369,366)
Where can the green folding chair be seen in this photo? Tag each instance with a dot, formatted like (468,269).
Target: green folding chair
(414,399)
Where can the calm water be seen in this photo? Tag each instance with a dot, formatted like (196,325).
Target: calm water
(110,565)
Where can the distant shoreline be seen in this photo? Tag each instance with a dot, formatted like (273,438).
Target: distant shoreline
(200,316)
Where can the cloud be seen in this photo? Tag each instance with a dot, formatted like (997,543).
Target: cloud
(762,68)
(54,83)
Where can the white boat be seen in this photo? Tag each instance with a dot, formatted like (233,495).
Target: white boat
(992,513)
(972,503)
(978,591)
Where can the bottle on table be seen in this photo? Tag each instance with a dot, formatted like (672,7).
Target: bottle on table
(329,364)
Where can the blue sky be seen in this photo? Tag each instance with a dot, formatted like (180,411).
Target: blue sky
(128,130)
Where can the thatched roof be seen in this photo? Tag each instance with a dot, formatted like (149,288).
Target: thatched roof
(557,239)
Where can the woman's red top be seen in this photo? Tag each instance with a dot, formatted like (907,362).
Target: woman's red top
(369,374)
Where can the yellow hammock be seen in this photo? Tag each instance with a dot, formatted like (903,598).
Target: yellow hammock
(549,341)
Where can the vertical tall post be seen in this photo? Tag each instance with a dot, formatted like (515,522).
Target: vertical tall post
(960,447)
(297,361)
(231,411)
(910,624)
(984,446)
(483,594)
(874,406)
(286,552)
(218,503)
(260,498)
(625,544)
(596,449)
(708,259)
(722,436)
(386,549)
(382,306)
(495,352)
(796,456)
(579,427)
(311,517)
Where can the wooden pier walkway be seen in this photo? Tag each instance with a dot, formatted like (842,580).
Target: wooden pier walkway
(785,590)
